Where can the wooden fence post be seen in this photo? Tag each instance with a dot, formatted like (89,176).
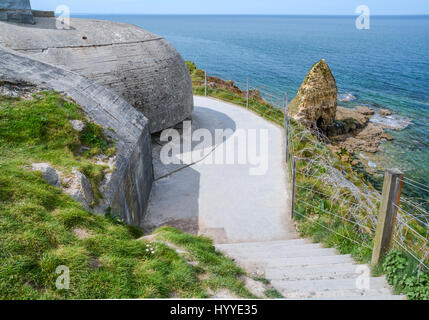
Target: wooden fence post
(392,189)
(293,187)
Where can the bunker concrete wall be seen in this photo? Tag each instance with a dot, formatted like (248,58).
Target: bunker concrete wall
(129,189)
(139,66)
(16,11)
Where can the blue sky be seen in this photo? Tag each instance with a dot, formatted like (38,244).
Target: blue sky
(342,7)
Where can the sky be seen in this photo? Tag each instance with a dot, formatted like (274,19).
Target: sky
(312,7)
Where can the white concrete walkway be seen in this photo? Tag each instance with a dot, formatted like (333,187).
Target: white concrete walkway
(225,201)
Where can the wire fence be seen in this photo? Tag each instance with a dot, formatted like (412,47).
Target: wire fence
(325,187)
(325,192)
(252,91)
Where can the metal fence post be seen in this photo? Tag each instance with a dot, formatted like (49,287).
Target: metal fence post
(392,189)
(293,187)
(247,94)
(286,125)
(284,110)
(205,83)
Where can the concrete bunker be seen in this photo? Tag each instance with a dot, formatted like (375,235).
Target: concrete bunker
(125,78)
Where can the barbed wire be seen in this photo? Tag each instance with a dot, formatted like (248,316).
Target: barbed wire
(415,186)
(420,261)
(336,215)
(419,183)
(331,230)
(319,172)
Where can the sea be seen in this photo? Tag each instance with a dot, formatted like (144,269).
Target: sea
(385,66)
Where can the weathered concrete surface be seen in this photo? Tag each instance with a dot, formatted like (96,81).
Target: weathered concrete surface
(139,66)
(128,189)
(16,11)
(224,201)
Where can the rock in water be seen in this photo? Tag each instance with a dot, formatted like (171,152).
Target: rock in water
(385,113)
(365,110)
(315,105)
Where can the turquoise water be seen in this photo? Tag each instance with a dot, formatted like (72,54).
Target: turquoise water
(386,66)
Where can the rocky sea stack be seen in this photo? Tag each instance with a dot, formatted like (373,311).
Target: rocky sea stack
(315,105)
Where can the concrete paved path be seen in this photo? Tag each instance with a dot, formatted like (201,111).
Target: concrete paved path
(226,202)
(248,215)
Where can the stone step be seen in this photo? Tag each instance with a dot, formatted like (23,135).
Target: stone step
(258,267)
(372,294)
(325,272)
(374,297)
(274,248)
(293,242)
(300,261)
(327,285)
(300,269)
(282,253)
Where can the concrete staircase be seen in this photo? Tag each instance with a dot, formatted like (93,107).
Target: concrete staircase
(300,269)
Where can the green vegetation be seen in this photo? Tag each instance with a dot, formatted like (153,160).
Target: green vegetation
(273,294)
(219,272)
(400,270)
(41,228)
(318,217)
(39,130)
(225,91)
(330,222)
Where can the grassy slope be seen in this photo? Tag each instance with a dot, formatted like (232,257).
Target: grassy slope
(399,268)
(37,221)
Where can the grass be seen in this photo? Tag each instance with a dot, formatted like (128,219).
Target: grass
(222,272)
(39,130)
(273,294)
(39,224)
